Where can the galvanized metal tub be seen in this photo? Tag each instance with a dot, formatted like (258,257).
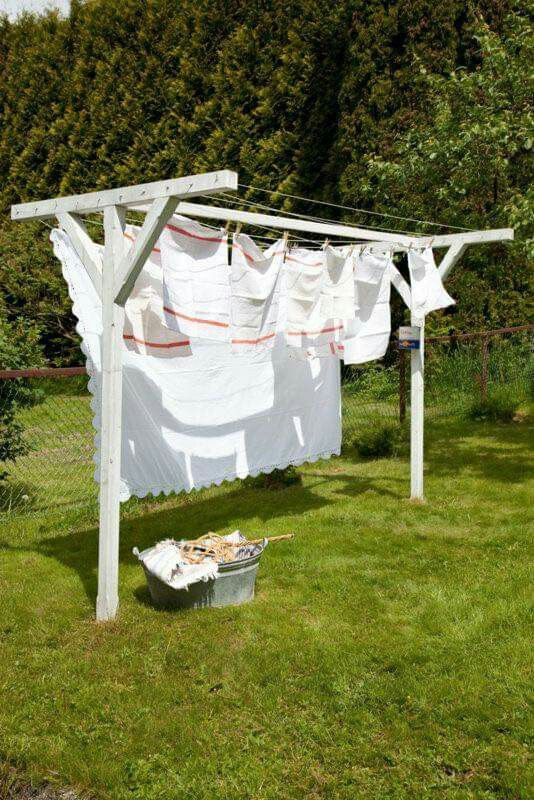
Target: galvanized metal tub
(233,586)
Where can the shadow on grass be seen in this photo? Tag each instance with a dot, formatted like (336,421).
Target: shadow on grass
(197,515)
(504,455)
(352,485)
(79,550)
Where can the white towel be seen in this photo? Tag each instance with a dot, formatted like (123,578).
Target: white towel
(196,279)
(367,336)
(255,293)
(145,328)
(305,280)
(337,293)
(428,292)
(166,562)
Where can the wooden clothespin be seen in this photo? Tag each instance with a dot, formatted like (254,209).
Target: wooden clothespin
(237,229)
(227,227)
(326,243)
(285,240)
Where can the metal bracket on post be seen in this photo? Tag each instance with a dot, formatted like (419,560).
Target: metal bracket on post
(111,392)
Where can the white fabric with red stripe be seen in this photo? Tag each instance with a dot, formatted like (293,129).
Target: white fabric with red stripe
(196,279)
(145,327)
(305,281)
(255,293)
(193,422)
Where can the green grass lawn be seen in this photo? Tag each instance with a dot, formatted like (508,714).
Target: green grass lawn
(386,655)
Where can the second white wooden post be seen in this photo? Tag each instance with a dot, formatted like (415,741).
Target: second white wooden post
(417,413)
(111,412)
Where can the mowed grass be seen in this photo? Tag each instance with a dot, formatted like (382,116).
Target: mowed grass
(387,653)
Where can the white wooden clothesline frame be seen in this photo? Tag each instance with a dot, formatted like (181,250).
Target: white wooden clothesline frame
(114,276)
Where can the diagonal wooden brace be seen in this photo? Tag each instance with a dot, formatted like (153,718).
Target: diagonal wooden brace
(85,248)
(401,286)
(131,265)
(453,254)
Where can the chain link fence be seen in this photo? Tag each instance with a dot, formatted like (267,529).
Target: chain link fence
(47,437)
(46,440)
(461,371)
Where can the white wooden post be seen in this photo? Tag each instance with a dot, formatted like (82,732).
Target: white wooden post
(417,413)
(110,448)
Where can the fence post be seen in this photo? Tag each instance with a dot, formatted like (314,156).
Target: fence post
(402,386)
(484,373)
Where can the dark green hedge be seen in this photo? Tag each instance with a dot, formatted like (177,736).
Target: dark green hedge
(418,108)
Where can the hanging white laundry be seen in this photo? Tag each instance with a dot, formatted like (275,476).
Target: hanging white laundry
(145,328)
(255,293)
(428,292)
(367,336)
(192,422)
(305,279)
(196,279)
(337,294)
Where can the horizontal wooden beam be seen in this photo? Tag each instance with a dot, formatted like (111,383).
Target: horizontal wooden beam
(399,241)
(130,196)
(456,240)
(290,223)
(469,237)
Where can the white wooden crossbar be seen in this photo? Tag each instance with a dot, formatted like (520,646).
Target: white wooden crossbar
(114,276)
(128,196)
(290,223)
(398,241)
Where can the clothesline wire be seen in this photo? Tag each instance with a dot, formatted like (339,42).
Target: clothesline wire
(257,236)
(131,221)
(276,238)
(352,208)
(241,201)
(238,201)
(295,240)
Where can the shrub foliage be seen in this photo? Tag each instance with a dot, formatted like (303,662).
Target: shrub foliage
(18,348)
(419,109)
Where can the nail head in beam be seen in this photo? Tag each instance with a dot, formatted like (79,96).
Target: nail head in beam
(188,186)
